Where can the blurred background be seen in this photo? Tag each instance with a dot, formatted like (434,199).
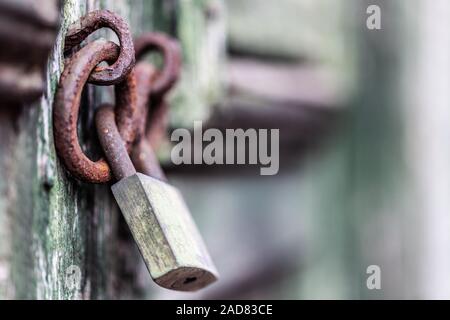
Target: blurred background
(364,119)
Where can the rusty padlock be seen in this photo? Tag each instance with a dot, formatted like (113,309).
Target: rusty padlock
(161,225)
(157,216)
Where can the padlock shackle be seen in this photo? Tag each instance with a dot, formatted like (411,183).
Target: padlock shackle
(112,143)
(143,154)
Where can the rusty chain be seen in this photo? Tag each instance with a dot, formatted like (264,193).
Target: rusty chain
(170,49)
(93,21)
(153,87)
(140,85)
(67,104)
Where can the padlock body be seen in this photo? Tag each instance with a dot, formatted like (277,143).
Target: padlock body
(165,233)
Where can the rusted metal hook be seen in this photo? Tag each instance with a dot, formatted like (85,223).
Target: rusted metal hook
(93,21)
(170,49)
(163,81)
(67,104)
(145,78)
(152,87)
(143,154)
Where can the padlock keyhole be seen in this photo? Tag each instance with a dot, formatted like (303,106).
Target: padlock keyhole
(189,280)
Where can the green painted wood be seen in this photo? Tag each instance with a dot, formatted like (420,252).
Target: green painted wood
(60,228)
(289,29)
(201,29)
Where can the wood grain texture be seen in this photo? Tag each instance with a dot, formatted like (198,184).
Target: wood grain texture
(61,232)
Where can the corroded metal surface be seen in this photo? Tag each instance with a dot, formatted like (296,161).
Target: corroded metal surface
(152,88)
(145,78)
(113,146)
(93,21)
(67,104)
(132,102)
(171,52)
(143,154)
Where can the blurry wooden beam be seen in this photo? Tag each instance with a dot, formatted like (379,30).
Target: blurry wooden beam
(299,82)
(302,129)
(295,98)
(259,277)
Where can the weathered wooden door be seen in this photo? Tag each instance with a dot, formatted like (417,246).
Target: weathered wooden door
(63,239)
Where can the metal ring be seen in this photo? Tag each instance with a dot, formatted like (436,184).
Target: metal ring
(171,52)
(67,104)
(143,154)
(93,21)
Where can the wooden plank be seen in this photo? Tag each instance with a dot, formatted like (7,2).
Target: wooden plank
(200,27)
